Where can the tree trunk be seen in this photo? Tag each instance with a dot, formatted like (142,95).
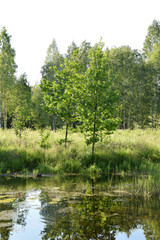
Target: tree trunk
(156,102)
(1,108)
(0,115)
(155,116)
(5,120)
(124,98)
(94,133)
(54,122)
(66,134)
(129,119)
(5,117)
(139,104)
(124,116)
(152,112)
(93,144)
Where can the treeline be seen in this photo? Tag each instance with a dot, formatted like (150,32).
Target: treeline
(20,104)
(89,87)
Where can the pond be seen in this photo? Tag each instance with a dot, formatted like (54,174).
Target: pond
(114,207)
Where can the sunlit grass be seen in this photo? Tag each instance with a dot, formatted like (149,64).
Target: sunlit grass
(136,151)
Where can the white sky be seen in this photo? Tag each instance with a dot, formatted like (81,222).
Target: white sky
(34,23)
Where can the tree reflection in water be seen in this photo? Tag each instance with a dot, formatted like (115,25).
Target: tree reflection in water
(95,216)
(75,208)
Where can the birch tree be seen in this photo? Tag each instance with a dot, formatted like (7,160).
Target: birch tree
(54,60)
(7,71)
(154,60)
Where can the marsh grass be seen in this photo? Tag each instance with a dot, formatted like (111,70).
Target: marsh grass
(136,151)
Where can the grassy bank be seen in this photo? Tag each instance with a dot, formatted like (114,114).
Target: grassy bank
(124,151)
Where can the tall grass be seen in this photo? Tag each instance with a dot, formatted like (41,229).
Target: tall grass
(136,150)
(128,151)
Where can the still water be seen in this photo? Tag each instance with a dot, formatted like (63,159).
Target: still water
(74,207)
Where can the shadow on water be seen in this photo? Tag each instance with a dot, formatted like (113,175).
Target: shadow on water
(73,207)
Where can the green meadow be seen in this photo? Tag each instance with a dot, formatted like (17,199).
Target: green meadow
(124,152)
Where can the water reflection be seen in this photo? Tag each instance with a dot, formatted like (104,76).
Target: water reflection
(28,222)
(134,234)
(77,208)
(90,217)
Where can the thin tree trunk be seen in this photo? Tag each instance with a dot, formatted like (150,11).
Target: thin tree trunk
(93,144)
(129,119)
(94,133)
(139,104)
(156,98)
(66,134)
(0,115)
(1,107)
(5,116)
(124,98)
(5,120)
(124,116)
(54,122)
(152,112)
(92,180)
(20,136)
(155,116)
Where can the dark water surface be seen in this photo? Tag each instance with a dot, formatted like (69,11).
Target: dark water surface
(74,207)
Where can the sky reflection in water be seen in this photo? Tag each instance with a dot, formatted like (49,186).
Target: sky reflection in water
(34,224)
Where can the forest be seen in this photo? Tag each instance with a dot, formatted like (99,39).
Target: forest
(91,90)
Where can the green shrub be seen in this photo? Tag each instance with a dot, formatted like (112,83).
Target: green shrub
(44,143)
